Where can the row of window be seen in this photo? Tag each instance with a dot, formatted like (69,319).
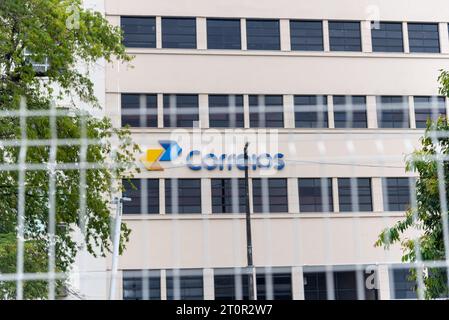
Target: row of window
(271,284)
(305,35)
(267,111)
(270,195)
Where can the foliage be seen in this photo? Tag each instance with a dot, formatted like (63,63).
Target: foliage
(68,36)
(427,218)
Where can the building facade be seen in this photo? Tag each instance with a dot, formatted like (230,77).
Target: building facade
(332,96)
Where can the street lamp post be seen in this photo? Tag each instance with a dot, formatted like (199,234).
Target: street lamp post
(249,241)
(116,244)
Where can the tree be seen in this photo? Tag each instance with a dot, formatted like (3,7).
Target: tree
(64,34)
(427,217)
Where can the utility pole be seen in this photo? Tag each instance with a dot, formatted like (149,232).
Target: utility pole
(116,244)
(249,241)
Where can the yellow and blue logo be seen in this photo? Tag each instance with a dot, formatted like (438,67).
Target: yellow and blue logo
(170,151)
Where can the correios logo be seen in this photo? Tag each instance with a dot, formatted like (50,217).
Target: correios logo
(170,151)
(197,160)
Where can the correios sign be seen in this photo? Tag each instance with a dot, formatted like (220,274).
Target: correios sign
(197,160)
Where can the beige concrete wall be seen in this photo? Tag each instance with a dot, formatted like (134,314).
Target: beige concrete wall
(167,71)
(294,240)
(410,10)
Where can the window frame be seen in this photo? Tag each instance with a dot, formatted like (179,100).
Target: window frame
(258,199)
(264,46)
(376,36)
(224,46)
(151,42)
(184,121)
(260,117)
(344,47)
(297,39)
(412,38)
(226,122)
(318,205)
(309,119)
(166,44)
(147,115)
(186,203)
(345,195)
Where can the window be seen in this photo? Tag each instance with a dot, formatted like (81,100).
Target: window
(183,196)
(388,37)
(144,194)
(179,33)
(354,194)
(345,285)
(40,66)
(397,193)
(263,34)
(270,195)
(350,112)
(139,32)
(402,285)
(306,35)
(315,286)
(392,112)
(231,284)
(345,36)
(134,281)
(226,111)
(274,284)
(228,196)
(315,195)
(266,111)
(428,108)
(139,110)
(311,112)
(181,111)
(224,34)
(424,37)
(186,284)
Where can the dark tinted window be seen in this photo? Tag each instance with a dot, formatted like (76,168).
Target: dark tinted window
(185,284)
(355,194)
(315,287)
(315,195)
(223,34)
(392,112)
(402,285)
(306,35)
(345,36)
(139,32)
(228,196)
(180,110)
(311,111)
(139,110)
(397,193)
(226,111)
(270,195)
(387,37)
(274,284)
(230,284)
(345,286)
(188,198)
(350,112)
(134,281)
(424,37)
(263,34)
(144,194)
(428,108)
(179,33)
(266,111)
